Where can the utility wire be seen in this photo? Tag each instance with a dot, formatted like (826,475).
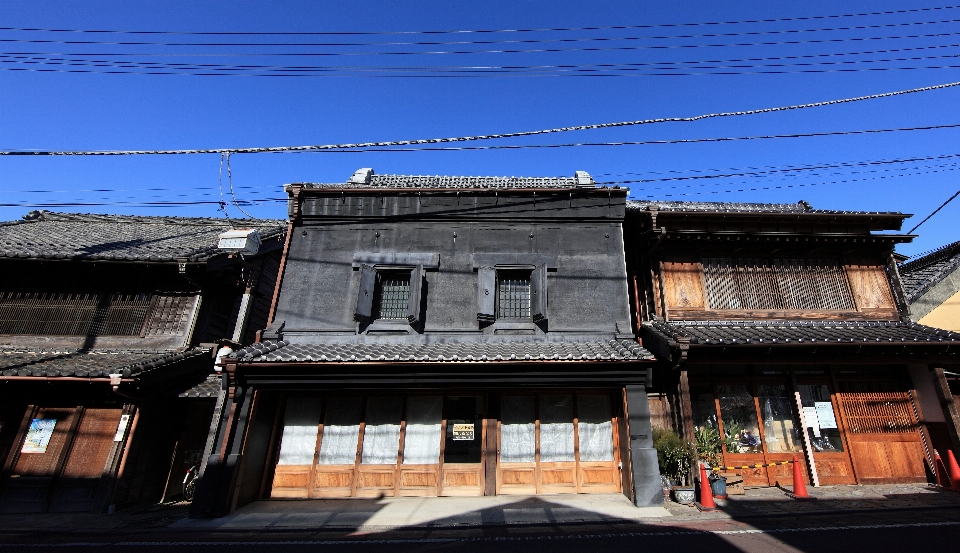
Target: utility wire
(478,31)
(927,218)
(366,145)
(320,71)
(481,42)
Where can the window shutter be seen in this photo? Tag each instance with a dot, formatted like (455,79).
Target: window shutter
(538,293)
(416,279)
(486,294)
(368,279)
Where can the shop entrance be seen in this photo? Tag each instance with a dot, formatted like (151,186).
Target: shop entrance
(434,445)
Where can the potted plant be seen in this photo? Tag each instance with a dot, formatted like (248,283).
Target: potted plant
(674,457)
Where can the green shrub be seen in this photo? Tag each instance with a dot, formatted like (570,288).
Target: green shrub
(673,454)
(708,445)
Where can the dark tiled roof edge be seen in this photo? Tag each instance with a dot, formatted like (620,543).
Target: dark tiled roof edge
(743,207)
(624,350)
(947,256)
(126,370)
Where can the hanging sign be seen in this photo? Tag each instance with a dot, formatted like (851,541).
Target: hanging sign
(813,422)
(463,431)
(121,428)
(825,414)
(38,436)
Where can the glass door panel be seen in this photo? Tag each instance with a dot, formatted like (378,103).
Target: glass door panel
(463,446)
(598,471)
(420,473)
(823,434)
(557,467)
(779,430)
(298,445)
(517,469)
(381,447)
(738,415)
(336,467)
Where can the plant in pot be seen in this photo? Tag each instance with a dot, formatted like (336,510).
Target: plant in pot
(674,457)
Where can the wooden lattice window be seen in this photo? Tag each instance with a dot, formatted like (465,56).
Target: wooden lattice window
(73,313)
(876,407)
(393,294)
(776,284)
(513,295)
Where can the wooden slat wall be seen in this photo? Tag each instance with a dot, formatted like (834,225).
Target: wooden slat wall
(870,287)
(92,443)
(169,315)
(683,284)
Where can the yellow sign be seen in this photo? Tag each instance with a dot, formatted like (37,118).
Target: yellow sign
(463,431)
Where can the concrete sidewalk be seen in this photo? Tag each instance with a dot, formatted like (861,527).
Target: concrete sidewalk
(374,515)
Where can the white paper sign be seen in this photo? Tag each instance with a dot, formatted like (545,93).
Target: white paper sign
(463,431)
(811,419)
(38,436)
(825,414)
(121,428)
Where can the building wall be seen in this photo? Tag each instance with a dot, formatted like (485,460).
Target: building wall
(946,315)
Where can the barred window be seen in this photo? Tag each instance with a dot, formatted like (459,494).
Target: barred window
(393,294)
(73,313)
(776,284)
(513,295)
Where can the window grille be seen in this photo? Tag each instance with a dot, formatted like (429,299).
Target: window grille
(393,295)
(776,284)
(513,295)
(876,407)
(73,313)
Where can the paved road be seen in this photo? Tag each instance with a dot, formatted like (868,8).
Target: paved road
(941,536)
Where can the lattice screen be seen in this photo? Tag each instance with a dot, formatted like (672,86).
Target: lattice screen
(73,314)
(776,284)
(876,407)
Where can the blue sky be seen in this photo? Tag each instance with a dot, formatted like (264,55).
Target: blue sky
(94,111)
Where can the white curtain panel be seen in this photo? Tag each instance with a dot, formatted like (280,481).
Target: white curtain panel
(518,433)
(421,444)
(341,431)
(595,428)
(381,435)
(556,429)
(300,423)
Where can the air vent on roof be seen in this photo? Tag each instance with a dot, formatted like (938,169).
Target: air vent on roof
(361,176)
(584,180)
(245,241)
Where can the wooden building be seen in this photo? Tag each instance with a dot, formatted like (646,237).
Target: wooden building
(442,336)
(105,321)
(783,330)
(932,285)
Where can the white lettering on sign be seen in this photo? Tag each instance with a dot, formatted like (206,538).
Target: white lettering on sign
(825,414)
(463,431)
(121,428)
(813,422)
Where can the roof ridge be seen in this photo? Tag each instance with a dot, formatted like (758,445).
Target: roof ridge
(62,216)
(932,256)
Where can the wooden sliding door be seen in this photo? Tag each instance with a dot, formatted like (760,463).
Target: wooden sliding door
(557,443)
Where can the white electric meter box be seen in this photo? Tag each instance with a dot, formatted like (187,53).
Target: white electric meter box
(246,241)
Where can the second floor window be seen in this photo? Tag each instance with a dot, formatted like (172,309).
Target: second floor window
(392,295)
(776,284)
(513,295)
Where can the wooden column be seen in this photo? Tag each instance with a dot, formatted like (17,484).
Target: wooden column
(805,437)
(950,413)
(686,407)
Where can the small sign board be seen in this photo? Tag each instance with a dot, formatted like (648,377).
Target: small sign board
(121,428)
(463,431)
(38,436)
(825,414)
(811,419)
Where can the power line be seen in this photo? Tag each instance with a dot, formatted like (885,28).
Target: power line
(366,145)
(337,71)
(478,31)
(479,42)
(927,218)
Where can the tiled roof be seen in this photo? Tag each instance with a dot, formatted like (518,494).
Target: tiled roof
(210,387)
(923,273)
(366,178)
(613,350)
(740,207)
(48,235)
(90,364)
(793,333)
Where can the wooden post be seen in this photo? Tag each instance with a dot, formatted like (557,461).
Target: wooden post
(807,446)
(950,413)
(686,407)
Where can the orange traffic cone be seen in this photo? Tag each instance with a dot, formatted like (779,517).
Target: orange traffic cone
(706,493)
(954,471)
(799,488)
(942,480)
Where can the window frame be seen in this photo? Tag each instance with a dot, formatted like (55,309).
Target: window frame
(369,288)
(488,292)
